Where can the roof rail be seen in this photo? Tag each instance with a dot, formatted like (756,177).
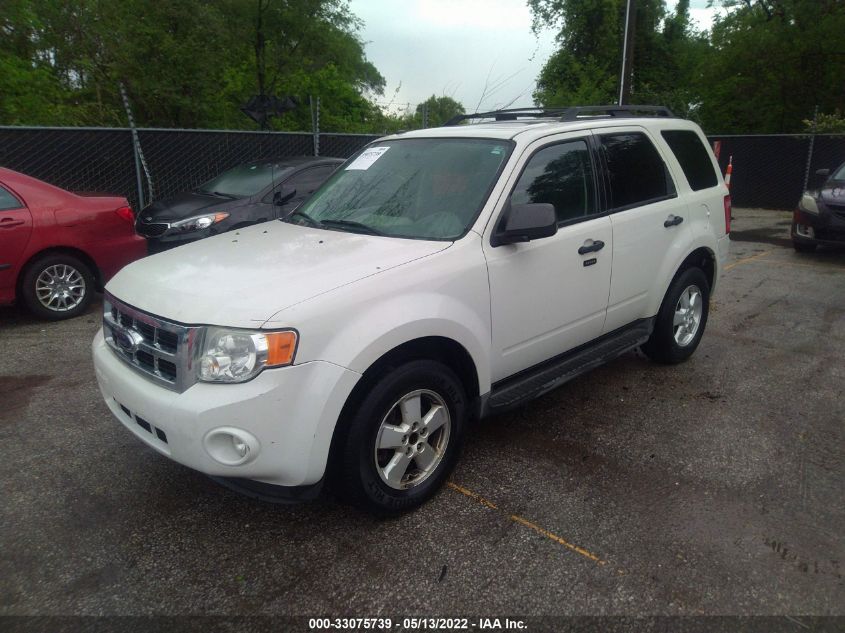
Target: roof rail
(508,115)
(580,112)
(566,114)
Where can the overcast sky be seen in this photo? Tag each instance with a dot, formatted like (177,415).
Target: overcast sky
(454,47)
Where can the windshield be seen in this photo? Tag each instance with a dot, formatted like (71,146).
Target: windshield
(244,180)
(418,188)
(839,174)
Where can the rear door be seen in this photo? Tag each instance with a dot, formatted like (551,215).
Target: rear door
(550,295)
(650,223)
(15,229)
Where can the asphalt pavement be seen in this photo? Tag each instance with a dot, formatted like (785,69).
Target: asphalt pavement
(714,487)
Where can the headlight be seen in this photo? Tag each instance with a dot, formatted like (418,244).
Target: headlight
(808,204)
(239,355)
(200,222)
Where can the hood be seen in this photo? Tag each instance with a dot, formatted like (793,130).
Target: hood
(242,278)
(833,192)
(187,205)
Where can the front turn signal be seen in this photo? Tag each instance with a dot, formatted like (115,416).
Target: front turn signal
(281,347)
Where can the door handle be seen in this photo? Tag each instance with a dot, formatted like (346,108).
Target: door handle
(673,220)
(595,247)
(7,223)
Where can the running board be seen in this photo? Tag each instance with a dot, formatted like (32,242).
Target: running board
(536,381)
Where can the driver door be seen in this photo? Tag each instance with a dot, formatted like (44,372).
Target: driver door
(550,295)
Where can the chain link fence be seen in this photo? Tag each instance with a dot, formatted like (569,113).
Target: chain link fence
(103,159)
(768,170)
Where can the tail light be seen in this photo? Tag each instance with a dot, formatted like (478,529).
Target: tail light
(126,213)
(727,214)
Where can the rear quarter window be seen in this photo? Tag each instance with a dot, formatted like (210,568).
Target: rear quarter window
(693,157)
(7,200)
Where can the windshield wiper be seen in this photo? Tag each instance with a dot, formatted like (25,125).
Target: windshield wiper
(352,225)
(304,216)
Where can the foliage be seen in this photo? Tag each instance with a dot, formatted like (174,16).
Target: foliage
(762,68)
(440,110)
(826,124)
(184,63)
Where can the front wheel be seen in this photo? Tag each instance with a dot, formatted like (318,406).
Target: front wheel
(404,438)
(803,247)
(681,320)
(57,286)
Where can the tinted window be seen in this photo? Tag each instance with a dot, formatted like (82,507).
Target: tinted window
(7,200)
(307,181)
(693,157)
(561,175)
(637,173)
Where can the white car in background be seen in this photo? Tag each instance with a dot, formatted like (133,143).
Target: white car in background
(438,276)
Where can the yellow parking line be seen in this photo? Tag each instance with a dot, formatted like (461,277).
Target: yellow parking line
(745,260)
(525,522)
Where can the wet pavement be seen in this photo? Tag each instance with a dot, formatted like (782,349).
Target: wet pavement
(710,488)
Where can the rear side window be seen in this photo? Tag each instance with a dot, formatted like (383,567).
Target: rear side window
(561,175)
(8,200)
(636,172)
(693,157)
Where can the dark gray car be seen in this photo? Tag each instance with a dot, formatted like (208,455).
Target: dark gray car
(247,194)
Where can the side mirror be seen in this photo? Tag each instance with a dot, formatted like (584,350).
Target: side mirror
(283,195)
(525,222)
(823,172)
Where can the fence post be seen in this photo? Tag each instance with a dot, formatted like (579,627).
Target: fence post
(315,122)
(136,152)
(810,151)
(139,184)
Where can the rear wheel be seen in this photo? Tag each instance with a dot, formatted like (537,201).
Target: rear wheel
(404,438)
(57,286)
(682,318)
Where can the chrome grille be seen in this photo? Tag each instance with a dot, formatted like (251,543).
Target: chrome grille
(161,350)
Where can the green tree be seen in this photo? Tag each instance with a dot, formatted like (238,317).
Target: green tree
(439,111)
(585,69)
(185,63)
(771,63)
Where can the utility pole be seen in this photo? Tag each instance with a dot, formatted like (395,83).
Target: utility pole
(627,52)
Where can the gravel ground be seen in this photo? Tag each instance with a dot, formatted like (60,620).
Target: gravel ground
(710,488)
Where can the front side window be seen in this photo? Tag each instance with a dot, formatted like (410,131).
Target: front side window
(693,157)
(636,172)
(8,200)
(560,175)
(417,188)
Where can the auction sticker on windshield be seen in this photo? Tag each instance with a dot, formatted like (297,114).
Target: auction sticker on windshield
(367,158)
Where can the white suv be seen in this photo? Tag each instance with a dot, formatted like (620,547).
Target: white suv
(439,276)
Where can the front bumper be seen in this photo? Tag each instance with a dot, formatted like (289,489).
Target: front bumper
(290,411)
(827,227)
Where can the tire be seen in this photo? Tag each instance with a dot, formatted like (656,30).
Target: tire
(69,274)
(803,247)
(386,415)
(670,343)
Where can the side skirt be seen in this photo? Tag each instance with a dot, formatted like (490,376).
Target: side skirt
(540,379)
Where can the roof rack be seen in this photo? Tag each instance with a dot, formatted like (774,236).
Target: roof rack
(566,114)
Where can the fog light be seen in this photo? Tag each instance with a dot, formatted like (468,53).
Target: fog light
(805,231)
(231,446)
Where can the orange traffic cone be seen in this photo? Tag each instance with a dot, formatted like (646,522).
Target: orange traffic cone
(729,172)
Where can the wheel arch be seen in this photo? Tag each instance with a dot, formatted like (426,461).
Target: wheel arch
(439,348)
(64,250)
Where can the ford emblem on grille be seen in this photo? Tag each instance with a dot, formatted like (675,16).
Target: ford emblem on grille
(126,340)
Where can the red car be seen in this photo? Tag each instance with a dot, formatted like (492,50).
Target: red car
(57,248)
